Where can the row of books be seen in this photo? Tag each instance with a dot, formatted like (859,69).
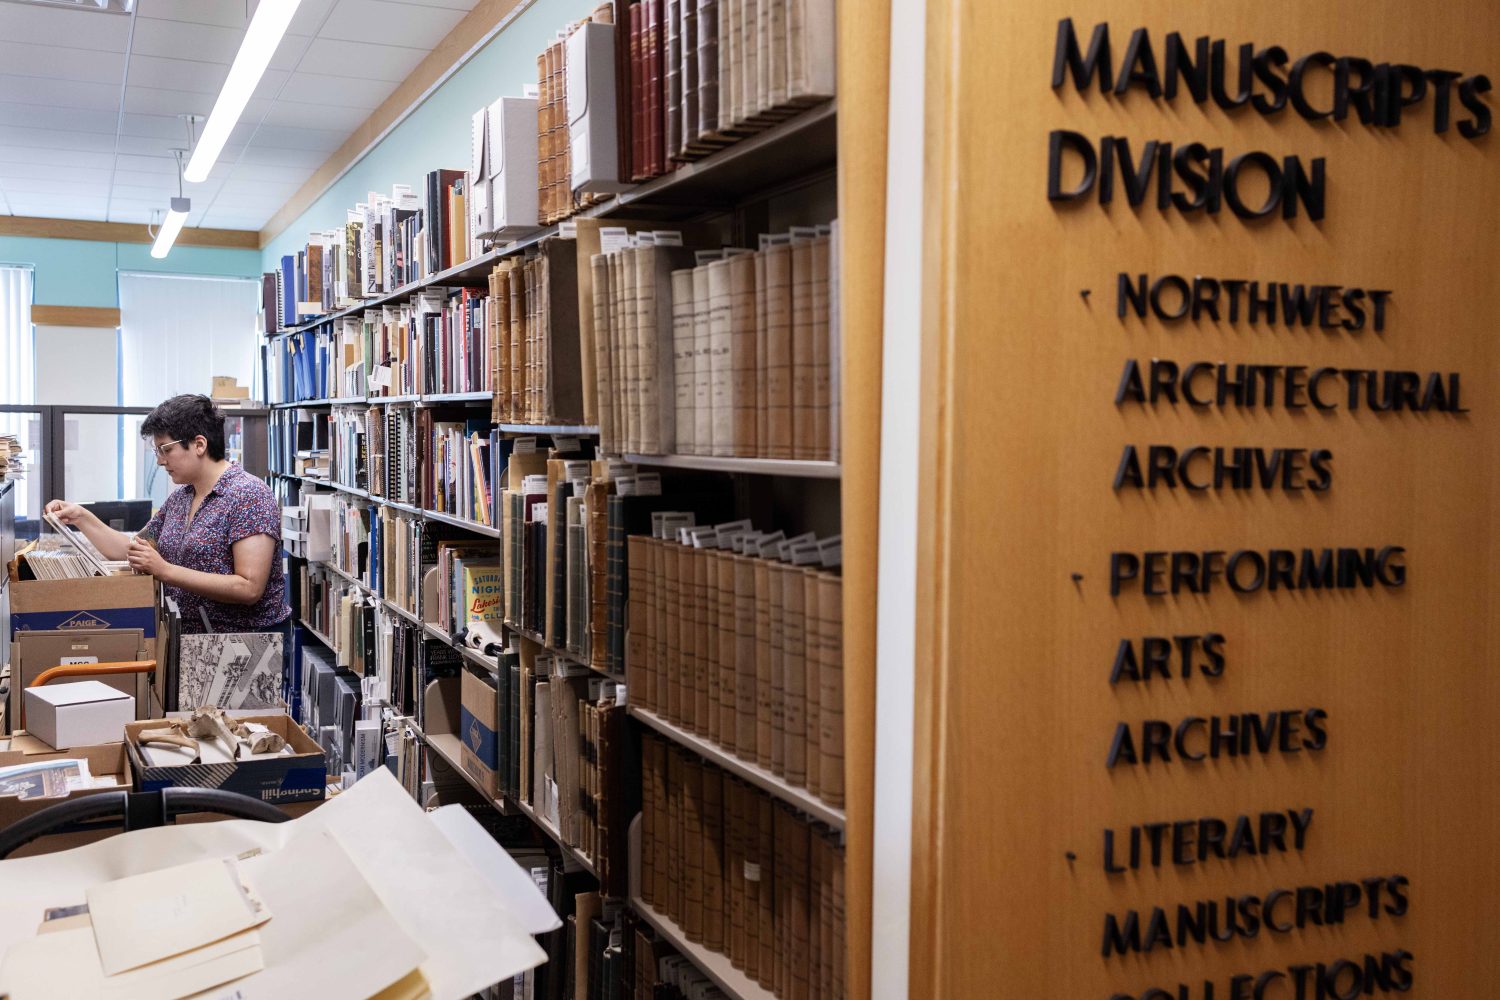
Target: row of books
(641,86)
(735,635)
(297,441)
(716,352)
(387,242)
(533,336)
(436,458)
(723,352)
(742,874)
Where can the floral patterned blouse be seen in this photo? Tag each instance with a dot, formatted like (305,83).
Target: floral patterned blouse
(238,506)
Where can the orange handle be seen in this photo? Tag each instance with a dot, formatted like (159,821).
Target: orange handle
(92,669)
(87,670)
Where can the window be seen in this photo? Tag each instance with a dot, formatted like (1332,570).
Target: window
(177,332)
(17,369)
(18,381)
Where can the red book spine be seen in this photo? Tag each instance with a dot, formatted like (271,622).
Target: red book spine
(656,128)
(637,93)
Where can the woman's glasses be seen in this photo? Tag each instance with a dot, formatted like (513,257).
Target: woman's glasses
(161,449)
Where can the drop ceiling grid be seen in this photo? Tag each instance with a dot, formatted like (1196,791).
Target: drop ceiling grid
(89,105)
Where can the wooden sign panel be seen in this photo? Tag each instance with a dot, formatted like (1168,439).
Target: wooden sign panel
(1212,707)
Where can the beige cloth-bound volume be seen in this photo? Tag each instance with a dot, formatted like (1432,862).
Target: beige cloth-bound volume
(604,388)
(721,357)
(684,421)
(822,350)
(778,327)
(743,361)
(703,414)
(804,409)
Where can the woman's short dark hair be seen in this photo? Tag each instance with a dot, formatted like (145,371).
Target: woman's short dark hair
(183,418)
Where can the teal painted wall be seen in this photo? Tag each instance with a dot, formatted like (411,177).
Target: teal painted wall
(83,273)
(436,134)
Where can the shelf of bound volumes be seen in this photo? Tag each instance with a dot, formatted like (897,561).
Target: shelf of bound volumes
(722,179)
(714,964)
(576,439)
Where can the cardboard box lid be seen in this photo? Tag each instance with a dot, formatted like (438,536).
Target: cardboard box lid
(77,693)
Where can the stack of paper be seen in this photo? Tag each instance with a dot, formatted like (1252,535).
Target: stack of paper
(68,555)
(366,896)
(11,465)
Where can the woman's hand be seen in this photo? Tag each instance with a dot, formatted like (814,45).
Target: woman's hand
(66,511)
(144,558)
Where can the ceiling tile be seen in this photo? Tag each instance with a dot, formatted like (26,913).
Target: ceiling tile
(155,181)
(17,153)
(60,63)
(284,157)
(207,42)
(177,74)
(280,137)
(92,141)
(60,93)
(386,23)
(45,25)
(459,5)
(309,16)
(223,13)
(54,171)
(132,163)
(48,207)
(47,185)
(151,101)
(312,88)
(334,57)
(71,119)
(140,145)
(316,116)
(155,127)
(268,173)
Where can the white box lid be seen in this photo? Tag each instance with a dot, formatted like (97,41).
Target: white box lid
(77,693)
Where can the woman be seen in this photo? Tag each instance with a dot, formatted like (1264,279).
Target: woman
(216,538)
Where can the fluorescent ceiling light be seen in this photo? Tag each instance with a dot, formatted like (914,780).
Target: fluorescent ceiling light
(170,227)
(266,29)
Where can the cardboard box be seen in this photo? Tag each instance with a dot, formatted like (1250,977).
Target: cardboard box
(109,759)
(225,387)
(78,714)
(478,731)
(99,602)
(296,777)
(36,652)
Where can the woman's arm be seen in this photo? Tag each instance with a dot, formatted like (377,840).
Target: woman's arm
(252,567)
(111,544)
